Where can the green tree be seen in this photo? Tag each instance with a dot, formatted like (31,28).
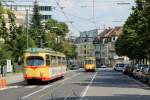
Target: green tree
(145,28)
(3,29)
(68,48)
(4,54)
(21,44)
(130,43)
(12,38)
(36,30)
(60,28)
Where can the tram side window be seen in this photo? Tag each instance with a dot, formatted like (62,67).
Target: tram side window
(59,60)
(64,61)
(53,60)
(47,60)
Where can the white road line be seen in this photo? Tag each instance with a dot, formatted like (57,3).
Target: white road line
(30,87)
(10,87)
(26,96)
(3,88)
(86,89)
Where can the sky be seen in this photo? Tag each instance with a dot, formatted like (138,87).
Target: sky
(84,15)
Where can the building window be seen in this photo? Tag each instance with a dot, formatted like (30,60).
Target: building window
(84,51)
(46,17)
(45,8)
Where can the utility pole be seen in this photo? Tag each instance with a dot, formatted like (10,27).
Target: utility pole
(27,25)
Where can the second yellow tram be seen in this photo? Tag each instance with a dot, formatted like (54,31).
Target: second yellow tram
(90,64)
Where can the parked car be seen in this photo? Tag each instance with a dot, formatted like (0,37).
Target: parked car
(74,67)
(103,66)
(119,67)
(128,70)
(137,72)
(145,77)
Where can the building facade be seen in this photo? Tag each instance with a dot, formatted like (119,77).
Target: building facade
(85,47)
(27,5)
(20,18)
(105,47)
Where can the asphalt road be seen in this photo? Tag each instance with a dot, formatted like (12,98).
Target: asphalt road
(104,84)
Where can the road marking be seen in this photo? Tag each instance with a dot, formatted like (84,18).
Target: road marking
(26,96)
(9,87)
(86,89)
(14,87)
(30,87)
(3,88)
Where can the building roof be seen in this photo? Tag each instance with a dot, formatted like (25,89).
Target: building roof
(107,33)
(116,31)
(102,35)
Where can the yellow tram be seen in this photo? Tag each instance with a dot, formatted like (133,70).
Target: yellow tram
(43,64)
(90,64)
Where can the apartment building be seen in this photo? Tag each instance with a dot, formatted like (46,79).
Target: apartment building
(105,47)
(23,6)
(84,44)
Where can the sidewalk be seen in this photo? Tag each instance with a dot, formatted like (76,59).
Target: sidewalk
(14,78)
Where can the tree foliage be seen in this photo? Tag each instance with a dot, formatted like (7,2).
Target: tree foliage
(135,41)
(36,30)
(60,29)
(69,48)
(13,38)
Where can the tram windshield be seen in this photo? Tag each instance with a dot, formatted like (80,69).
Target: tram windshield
(89,62)
(35,61)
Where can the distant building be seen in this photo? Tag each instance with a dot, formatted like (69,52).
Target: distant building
(20,18)
(84,44)
(105,47)
(24,5)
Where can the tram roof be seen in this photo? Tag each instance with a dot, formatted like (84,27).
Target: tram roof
(42,50)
